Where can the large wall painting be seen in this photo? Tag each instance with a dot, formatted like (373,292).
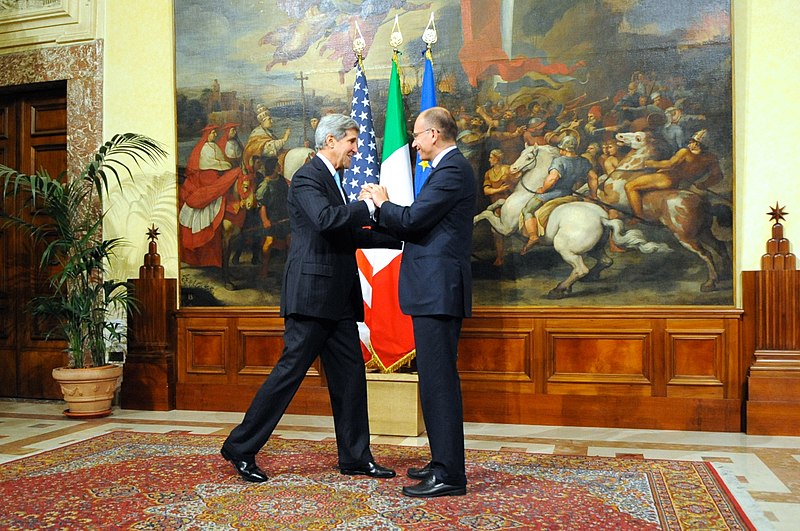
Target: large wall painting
(641,90)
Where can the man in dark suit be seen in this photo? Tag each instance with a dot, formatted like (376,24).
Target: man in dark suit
(321,302)
(436,290)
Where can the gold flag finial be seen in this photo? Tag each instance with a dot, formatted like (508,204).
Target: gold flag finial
(429,36)
(359,43)
(396,38)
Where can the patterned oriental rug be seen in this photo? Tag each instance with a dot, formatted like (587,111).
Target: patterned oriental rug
(126,480)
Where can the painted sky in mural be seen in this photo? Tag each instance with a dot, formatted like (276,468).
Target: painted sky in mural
(266,43)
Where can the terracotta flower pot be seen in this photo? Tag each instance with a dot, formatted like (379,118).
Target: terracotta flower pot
(89,391)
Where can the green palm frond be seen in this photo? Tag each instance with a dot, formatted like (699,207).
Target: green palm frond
(111,155)
(65,217)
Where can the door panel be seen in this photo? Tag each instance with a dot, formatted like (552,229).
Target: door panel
(8,318)
(32,137)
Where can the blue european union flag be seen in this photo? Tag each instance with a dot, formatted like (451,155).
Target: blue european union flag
(428,100)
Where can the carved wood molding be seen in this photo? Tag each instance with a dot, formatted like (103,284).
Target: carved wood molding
(776,360)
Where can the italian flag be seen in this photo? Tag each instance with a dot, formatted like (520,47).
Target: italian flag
(391,335)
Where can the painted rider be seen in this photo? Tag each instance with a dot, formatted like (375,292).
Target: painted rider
(692,165)
(566,173)
(498,183)
(534,132)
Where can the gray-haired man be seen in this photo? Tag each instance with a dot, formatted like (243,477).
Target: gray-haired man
(321,302)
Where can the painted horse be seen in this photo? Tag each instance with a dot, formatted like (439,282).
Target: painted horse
(574,229)
(687,215)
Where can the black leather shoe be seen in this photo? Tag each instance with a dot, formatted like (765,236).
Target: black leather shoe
(419,473)
(430,487)
(370,469)
(248,470)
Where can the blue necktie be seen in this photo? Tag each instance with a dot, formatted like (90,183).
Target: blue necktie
(338,178)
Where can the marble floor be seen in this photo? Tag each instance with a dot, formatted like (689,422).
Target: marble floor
(763,472)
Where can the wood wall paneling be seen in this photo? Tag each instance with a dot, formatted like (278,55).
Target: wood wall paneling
(696,364)
(489,354)
(599,357)
(207,350)
(224,357)
(259,347)
(660,369)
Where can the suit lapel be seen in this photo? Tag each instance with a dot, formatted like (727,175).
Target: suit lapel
(328,180)
(441,162)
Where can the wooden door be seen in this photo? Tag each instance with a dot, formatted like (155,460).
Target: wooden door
(33,136)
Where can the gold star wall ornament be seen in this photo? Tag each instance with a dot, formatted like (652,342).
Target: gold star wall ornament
(777,213)
(152,233)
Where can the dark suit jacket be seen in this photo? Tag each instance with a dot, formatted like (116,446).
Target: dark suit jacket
(435,273)
(321,274)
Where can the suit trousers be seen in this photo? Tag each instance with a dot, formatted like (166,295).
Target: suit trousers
(436,338)
(337,344)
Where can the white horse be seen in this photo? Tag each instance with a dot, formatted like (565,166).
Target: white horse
(573,229)
(294,159)
(535,161)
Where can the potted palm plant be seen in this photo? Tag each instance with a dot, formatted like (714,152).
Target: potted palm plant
(64,216)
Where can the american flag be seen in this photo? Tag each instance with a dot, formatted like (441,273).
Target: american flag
(386,334)
(365,166)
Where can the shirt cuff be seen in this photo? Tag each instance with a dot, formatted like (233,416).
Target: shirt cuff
(371,207)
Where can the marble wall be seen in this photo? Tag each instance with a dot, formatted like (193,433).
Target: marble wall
(81,66)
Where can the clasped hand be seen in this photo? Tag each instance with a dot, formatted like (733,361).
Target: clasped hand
(375,192)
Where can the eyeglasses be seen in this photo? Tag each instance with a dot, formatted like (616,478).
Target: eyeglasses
(415,135)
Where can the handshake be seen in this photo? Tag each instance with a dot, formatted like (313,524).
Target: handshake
(374,192)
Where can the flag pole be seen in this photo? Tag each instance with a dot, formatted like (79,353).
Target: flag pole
(429,36)
(364,169)
(427,99)
(359,45)
(395,40)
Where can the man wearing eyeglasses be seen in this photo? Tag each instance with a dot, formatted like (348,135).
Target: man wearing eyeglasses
(436,291)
